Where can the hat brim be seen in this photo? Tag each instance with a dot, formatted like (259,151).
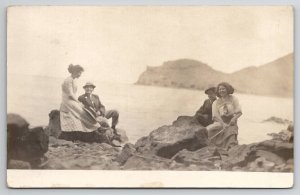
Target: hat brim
(210,89)
(89,85)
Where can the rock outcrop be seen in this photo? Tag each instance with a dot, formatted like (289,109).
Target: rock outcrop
(277,120)
(24,144)
(181,146)
(166,141)
(18,164)
(54,128)
(184,146)
(209,158)
(64,154)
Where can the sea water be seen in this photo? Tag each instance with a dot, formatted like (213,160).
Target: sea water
(142,108)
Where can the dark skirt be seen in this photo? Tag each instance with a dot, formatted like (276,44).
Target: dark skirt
(226,139)
(89,137)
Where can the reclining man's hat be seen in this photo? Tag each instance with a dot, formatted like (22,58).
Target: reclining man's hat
(89,84)
(214,89)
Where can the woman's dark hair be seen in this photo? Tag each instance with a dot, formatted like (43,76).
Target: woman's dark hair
(75,68)
(228,87)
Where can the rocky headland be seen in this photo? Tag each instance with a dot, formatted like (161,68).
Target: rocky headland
(274,78)
(183,145)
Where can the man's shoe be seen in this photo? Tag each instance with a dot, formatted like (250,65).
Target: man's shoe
(115,131)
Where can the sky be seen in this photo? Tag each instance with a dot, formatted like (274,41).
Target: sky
(117,43)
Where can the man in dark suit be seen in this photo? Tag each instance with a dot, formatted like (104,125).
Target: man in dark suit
(204,114)
(94,105)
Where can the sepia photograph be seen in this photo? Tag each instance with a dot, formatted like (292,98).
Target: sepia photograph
(150,96)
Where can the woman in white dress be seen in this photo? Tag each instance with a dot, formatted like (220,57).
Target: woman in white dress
(225,112)
(73,117)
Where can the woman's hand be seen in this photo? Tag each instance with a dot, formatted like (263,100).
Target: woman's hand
(98,113)
(233,121)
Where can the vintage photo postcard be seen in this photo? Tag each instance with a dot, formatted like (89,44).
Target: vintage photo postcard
(150,96)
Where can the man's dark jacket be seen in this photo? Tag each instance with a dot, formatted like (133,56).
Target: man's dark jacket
(205,109)
(92,103)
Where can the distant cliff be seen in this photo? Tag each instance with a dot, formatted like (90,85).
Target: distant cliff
(274,78)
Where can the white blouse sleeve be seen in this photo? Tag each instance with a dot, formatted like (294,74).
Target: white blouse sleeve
(236,105)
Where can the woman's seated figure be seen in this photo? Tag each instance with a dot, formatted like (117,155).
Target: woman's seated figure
(225,112)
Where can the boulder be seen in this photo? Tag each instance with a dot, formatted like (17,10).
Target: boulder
(287,167)
(16,123)
(18,164)
(166,141)
(37,143)
(261,165)
(238,155)
(283,136)
(127,151)
(53,128)
(207,156)
(269,156)
(206,153)
(277,120)
(262,156)
(25,144)
(283,149)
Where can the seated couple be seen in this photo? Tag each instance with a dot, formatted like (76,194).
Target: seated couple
(81,117)
(220,115)
(93,106)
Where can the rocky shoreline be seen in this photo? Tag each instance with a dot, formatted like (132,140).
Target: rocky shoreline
(183,145)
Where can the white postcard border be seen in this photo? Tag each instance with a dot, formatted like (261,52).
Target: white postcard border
(146,179)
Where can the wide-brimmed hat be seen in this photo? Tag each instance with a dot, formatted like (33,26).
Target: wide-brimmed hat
(89,84)
(214,89)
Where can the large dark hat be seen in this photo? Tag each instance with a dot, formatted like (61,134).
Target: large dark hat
(89,84)
(210,89)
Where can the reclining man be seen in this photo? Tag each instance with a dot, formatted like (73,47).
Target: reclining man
(94,105)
